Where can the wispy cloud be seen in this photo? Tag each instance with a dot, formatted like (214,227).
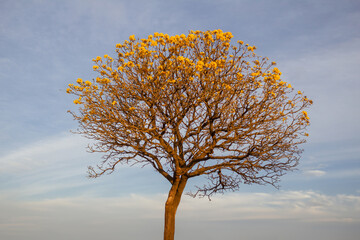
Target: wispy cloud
(42,154)
(57,166)
(298,205)
(81,212)
(314,173)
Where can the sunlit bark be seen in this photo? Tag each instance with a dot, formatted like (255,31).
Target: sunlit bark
(171,206)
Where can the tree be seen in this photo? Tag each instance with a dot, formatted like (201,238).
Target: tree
(192,105)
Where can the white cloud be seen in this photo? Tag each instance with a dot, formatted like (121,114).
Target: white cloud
(345,173)
(87,214)
(314,173)
(57,166)
(293,205)
(42,154)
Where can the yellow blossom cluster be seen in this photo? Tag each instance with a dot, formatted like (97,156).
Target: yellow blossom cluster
(201,63)
(305,117)
(305,114)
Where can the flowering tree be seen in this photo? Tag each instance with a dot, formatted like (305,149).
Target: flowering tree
(192,105)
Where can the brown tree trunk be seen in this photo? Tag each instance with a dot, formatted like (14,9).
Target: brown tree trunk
(171,206)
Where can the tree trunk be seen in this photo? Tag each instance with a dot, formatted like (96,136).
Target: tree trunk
(171,206)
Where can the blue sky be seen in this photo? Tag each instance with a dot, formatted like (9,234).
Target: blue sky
(44,192)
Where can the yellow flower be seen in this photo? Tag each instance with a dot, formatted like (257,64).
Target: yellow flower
(228,87)
(277,71)
(305,114)
(153,43)
(289,86)
(276,77)
(213,65)
(79,80)
(132,108)
(77,101)
(299,92)
(199,65)
(250,48)
(191,37)
(172,39)
(180,58)
(88,83)
(118,45)
(95,67)
(114,102)
(68,90)
(229,35)
(132,38)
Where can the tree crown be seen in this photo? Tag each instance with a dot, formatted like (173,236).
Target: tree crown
(192,105)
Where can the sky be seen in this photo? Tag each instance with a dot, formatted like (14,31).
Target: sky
(44,189)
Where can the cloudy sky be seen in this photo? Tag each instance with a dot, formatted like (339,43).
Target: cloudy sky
(44,192)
